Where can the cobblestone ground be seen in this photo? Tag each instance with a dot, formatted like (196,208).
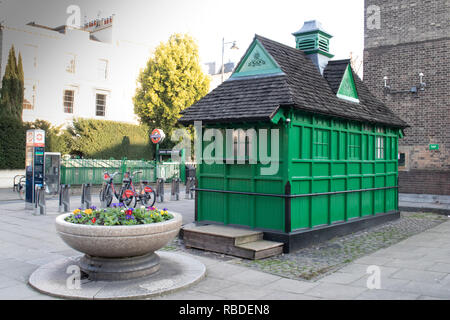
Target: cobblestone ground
(319,260)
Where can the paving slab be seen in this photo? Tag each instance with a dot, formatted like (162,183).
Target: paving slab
(418,275)
(436,290)
(291,286)
(379,294)
(254,278)
(335,291)
(342,277)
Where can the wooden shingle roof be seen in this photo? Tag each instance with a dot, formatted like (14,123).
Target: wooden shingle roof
(300,85)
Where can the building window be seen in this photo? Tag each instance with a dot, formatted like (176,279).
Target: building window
(70,63)
(354,146)
(380,148)
(100,105)
(321,143)
(401,160)
(68,101)
(102,69)
(29,98)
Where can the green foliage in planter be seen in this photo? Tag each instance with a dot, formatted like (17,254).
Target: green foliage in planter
(101,139)
(118,215)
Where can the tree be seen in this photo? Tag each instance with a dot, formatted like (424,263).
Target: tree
(20,94)
(12,91)
(172,81)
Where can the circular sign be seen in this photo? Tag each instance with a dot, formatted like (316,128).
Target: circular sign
(157,136)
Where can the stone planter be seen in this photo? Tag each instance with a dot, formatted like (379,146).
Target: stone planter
(118,252)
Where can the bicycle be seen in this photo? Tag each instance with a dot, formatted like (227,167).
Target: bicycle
(108,192)
(146,195)
(19,187)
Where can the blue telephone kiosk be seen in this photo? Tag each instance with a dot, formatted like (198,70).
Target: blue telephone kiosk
(34,165)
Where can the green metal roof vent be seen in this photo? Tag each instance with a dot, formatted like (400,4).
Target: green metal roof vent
(315,42)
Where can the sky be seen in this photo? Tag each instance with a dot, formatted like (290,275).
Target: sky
(208,21)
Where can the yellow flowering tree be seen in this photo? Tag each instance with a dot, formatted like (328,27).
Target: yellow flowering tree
(172,81)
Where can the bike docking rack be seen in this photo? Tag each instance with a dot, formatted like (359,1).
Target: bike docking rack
(39,204)
(190,185)
(86,197)
(64,198)
(175,192)
(160,190)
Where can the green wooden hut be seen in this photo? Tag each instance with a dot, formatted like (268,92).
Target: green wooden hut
(338,145)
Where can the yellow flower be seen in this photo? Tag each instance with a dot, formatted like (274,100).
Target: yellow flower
(77,211)
(88,211)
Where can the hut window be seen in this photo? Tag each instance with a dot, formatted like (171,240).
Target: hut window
(321,144)
(354,146)
(380,148)
(242,144)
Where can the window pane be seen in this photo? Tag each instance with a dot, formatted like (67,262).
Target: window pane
(68,101)
(100,105)
(321,144)
(380,148)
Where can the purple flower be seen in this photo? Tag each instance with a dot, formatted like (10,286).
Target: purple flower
(165,209)
(93,208)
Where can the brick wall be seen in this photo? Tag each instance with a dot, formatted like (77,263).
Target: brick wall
(414,37)
(424,182)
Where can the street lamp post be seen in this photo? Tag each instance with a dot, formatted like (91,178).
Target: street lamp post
(234,46)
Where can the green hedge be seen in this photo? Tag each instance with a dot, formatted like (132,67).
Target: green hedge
(101,139)
(12,143)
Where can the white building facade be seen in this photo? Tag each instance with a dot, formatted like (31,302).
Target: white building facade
(76,72)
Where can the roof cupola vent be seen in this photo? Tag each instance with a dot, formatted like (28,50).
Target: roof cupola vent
(315,42)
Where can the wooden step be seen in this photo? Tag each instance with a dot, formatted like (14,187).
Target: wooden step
(242,243)
(262,248)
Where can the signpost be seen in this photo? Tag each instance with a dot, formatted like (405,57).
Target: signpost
(157,138)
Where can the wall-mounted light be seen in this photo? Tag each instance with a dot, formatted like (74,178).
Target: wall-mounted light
(414,89)
(386,86)
(422,84)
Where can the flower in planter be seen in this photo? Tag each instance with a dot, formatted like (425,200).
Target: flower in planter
(119,216)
